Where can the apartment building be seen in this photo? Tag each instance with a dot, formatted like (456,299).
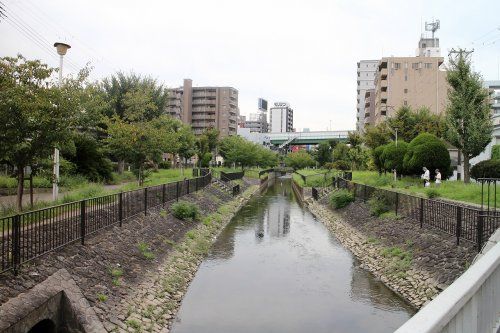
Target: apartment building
(281,118)
(366,71)
(205,107)
(369,107)
(417,82)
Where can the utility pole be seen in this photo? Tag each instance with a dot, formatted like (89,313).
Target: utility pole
(61,48)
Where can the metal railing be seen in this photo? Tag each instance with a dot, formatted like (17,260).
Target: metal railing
(228,179)
(462,221)
(27,236)
(469,305)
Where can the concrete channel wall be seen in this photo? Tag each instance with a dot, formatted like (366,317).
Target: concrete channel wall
(469,305)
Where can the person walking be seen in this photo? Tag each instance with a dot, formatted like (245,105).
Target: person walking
(438,178)
(426,176)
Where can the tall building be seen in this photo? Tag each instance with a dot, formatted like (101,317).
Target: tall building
(366,75)
(257,122)
(410,81)
(205,107)
(281,117)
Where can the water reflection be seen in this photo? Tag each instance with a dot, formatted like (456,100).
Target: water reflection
(276,269)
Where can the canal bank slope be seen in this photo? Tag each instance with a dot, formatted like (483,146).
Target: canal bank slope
(415,263)
(155,302)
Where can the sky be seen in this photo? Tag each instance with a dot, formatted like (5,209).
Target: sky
(301,52)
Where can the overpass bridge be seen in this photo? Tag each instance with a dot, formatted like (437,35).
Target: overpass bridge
(292,138)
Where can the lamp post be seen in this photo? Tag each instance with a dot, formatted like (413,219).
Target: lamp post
(61,48)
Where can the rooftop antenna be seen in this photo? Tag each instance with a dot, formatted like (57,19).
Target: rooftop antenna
(432,26)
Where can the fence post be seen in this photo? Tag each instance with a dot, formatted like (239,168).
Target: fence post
(459,223)
(480,231)
(187,182)
(421,212)
(145,201)
(196,184)
(177,191)
(16,243)
(163,194)
(120,208)
(397,203)
(82,220)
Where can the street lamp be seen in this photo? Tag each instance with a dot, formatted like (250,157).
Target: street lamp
(61,48)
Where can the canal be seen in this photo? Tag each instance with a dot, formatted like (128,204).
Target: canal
(275,268)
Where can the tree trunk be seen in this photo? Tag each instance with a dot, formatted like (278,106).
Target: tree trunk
(121,166)
(31,189)
(466,169)
(20,187)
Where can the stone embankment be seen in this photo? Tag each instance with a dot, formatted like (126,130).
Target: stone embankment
(415,263)
(139,270)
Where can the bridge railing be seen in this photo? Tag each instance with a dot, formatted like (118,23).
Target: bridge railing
(471,304)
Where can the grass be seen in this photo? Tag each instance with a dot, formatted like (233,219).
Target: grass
(450,189)
(399,260)
(102,297)
(145,251)
(314,177)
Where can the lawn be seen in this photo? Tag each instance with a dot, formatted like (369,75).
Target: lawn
(87,190)
(314,177)
(453,190)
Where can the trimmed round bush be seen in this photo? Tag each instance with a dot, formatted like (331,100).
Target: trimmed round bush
(486,169)
(184,210)
(392,156)
(341,198)
(426,150)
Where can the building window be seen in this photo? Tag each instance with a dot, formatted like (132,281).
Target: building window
(414,65)
(406,91)
(405,103)
(428,65)
(397,65)
(406,77)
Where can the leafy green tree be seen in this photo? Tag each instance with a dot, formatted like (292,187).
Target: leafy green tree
(354,139)
(410,123)
(495,152)
(340,153)
(36,114)
(358,157)
(377,135)
(426,150)
(377,158)
(468,115)
(299,160)
(323,153)
(393,156)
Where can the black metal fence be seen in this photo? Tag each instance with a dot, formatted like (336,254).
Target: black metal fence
(464,222)
(29,235)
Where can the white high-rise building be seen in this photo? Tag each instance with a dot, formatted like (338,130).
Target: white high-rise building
(281,118)
(366,75)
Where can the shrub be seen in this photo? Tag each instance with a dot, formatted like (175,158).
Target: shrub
(495,152)
(432,193)
(164,165)
(379,203)
(205,160)
(341,165)
(377,157)
(426,150)
(486,169)
(299,160)
(341,198)
(392,156)
(185,210)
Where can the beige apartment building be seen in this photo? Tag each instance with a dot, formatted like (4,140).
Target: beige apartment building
(409,81)
(205,107)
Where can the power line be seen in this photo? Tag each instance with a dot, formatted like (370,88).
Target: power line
(34,36)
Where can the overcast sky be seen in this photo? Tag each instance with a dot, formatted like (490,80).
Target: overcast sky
(302,52)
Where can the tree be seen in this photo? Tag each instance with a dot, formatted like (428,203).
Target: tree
(323,153)
(392,156)
(468,115)
(377,135)
(410,123)
(36,114)
(377,158)
(354,139)
(426,150)
(340,152)
(486,169)
(299,160)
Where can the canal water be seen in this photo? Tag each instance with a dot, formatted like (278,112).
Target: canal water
(275,268)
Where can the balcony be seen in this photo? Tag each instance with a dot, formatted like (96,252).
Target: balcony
(383,74)
(367,115)
(383,95)
(202,101)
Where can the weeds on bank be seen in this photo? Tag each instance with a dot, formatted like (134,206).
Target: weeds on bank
(116,273)
(341,198)
(134,324)
(102,297)
(145,251)
(399,260)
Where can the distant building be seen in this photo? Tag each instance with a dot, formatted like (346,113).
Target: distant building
(205,107)
(281,118)
(257,122)
(366,75)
